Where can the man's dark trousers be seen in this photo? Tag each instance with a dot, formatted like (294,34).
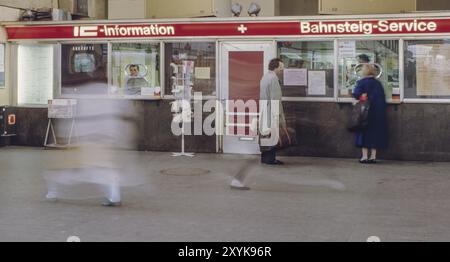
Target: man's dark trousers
(269,157)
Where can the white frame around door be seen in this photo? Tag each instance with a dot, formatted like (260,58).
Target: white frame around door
(236,144)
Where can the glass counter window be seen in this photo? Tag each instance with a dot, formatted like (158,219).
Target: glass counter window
(136,69)
(193,64)
(383,54)
(84,69)
(427,69)
(309,68)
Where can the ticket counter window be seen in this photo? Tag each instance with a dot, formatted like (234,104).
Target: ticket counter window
(84,69)
(427,69)
(136,69)
(35,74)
(2,66)
(309,68)
(384,55)
(191,63)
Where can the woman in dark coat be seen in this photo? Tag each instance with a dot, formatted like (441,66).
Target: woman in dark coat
(375,136)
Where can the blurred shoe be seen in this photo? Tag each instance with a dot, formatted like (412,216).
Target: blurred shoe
(51,198)
(243,188)
(108,203)
(237,185)
(274,163)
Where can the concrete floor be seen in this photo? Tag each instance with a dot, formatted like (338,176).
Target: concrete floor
(309,199)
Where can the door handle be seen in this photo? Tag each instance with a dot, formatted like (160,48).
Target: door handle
(248,139)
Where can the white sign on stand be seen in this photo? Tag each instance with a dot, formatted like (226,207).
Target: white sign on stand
(61,109)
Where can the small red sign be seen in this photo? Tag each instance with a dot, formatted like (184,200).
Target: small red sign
(11,120)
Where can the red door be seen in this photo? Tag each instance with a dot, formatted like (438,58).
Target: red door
(246,68)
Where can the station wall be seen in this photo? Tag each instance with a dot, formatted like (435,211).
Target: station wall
(417,132)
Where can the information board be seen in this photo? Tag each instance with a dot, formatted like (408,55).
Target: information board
(2,65)
(35,74)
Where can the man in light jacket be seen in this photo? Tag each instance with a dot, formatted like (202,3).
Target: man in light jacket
(272,113)
(270,120)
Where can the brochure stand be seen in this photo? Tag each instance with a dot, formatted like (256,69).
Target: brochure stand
(182,91)
(61,109)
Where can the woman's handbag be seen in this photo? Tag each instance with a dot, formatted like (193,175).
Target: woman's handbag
(286,139)
(359,118)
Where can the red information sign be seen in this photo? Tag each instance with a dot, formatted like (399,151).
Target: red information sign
(233,29)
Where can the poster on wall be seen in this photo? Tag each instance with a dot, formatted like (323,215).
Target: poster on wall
(2,65)
(433,69)
(35,74)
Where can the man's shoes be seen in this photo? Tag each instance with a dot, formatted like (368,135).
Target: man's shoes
(243,188)
(274,163)
(238,185)
(108,203)
(278,162)
(373,161)
(51,199)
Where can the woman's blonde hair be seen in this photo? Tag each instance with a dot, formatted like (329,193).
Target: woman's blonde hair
(369,70)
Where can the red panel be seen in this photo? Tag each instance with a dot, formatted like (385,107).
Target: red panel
(199,29)
(245,72)
(152,30)
(246,68)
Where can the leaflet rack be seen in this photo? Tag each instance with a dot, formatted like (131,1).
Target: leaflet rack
(182,91)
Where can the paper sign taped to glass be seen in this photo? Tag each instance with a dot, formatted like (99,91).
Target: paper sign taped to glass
(295,77)
(433,71)
(203,73)
(317,83)
(347,49)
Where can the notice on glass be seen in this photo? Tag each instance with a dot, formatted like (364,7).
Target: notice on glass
(295,77)
(203,73)
(317,83)
(347,49)
(2,65)
(433,71)
(35,74)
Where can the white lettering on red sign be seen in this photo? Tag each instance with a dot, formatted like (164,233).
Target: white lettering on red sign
(367,28)
(86,31)
(123,31)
